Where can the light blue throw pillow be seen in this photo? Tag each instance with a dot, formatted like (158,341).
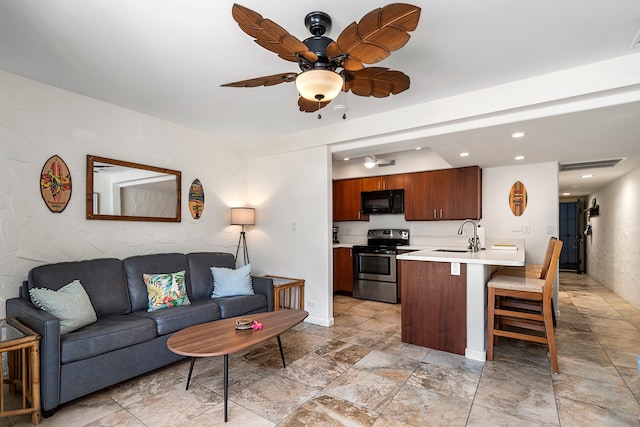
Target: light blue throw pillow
(228,282)
(70,304)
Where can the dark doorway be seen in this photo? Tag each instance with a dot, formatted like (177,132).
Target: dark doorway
(570,234)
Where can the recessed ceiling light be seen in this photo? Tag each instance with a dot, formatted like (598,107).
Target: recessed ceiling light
(566,194)
(519,157)
(518,134)
(345,159)
(575,186)
(465,154)
(418,148)
(586,176)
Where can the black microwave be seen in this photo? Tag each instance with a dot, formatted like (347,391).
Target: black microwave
(382,202)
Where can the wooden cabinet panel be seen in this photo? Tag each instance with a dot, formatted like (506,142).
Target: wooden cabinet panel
(346,200)
(385,182)
(448,194)
(343,270)
(434,305)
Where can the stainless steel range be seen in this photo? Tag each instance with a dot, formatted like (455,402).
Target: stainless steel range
(374,266)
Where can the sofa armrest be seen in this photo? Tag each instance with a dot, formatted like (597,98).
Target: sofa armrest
(264,286)
(48,327)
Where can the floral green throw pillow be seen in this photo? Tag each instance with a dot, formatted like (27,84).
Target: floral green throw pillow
(166,290)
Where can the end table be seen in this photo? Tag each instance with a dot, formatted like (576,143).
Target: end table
(288,293)
(23,348)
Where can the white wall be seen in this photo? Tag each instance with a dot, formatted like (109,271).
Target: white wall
(613,249)
(292,237)
(541,214)
(38,121)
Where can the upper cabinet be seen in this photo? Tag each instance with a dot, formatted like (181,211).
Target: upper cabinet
(346,200)
(448,194)
(386,182)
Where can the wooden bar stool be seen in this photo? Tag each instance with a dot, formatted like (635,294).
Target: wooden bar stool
(520,308)
(530,270)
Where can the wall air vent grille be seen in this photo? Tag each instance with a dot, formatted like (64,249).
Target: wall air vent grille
(590,165)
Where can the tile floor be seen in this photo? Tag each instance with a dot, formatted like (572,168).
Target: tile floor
(359,373)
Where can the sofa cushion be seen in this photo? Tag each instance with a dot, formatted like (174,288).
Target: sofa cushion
(177,318)
(166,290)
(107,334)
(136,266)
(228,282)
(103,279)
(70,304)
(200,281)
(238,306)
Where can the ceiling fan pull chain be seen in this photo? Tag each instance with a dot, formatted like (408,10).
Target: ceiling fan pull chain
(344,99)
(319,115)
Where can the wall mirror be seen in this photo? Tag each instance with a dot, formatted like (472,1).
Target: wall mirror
(126,191)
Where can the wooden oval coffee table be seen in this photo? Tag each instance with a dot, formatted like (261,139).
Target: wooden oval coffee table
(221,338)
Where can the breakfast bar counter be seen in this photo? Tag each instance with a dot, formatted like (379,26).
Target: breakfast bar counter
(444,294)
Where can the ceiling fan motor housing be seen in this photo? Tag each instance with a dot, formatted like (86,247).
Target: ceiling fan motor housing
(317,23)
(318,45)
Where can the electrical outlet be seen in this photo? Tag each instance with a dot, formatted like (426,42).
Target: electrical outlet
(526,229)
(550,229)
(294,226)
(311,304)
(516,228)
(455,268)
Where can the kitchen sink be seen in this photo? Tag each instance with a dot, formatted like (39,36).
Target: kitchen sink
(451,250)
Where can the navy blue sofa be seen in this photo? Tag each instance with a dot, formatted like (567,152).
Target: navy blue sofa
(126,341)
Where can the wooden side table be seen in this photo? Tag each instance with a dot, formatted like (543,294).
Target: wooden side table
(288,293)
(23,348)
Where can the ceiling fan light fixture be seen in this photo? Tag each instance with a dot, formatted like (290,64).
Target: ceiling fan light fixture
(319,85)
(369,162)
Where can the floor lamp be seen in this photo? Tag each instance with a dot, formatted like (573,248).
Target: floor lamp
(243,216)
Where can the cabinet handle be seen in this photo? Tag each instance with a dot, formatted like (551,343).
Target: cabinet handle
(440,213)
(434,214)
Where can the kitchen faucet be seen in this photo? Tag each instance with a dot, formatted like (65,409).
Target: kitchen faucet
(474,242)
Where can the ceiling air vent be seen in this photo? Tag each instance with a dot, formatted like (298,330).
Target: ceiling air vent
(590,165)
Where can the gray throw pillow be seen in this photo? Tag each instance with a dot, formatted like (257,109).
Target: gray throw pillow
(228,282)
(70,304)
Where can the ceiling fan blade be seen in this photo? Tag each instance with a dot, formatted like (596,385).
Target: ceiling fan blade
(378,82)
(264,81)
(378,33)
(270,35)
(309,106)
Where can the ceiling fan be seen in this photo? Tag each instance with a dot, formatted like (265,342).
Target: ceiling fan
(327,66)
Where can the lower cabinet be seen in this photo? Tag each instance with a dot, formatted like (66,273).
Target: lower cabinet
(434,305)
(342,270)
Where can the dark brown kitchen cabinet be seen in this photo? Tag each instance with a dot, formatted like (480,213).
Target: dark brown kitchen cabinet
(343,270)
(346,200)
(447,194)
(385,182)
(434,305)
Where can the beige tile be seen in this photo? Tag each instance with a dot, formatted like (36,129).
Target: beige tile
(417,406)
(160,408)
(343,352)
(119,418)
(237,416)
(483,417)
(325,410)
(579,414)
(387,365)
(275,397)
(616,397)
(363,388)
(241,376)
(313,370)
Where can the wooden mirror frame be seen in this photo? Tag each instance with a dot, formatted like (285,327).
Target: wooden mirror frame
(91,160)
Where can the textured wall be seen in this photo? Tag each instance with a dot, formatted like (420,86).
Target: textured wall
(38,121)
(613,250)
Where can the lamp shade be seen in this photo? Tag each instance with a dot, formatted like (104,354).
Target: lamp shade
(319,85)
(243,216)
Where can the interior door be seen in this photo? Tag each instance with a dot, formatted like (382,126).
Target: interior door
(570,236)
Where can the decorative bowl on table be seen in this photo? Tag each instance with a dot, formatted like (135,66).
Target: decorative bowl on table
(244,323)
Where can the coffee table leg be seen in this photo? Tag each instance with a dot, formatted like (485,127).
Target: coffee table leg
(284,365)
(226,385)
(193,360)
